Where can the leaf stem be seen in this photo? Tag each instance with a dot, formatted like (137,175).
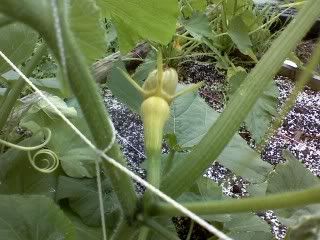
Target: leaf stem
(19,85)
(182,176)
(273,201)
(160,229)
(123,231)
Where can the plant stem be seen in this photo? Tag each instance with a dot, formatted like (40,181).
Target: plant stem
(98,120)
(212,144)
(190,230)
(273,201)
(160,229)
(19,85)
(144,232)
(123,231)
(40,17)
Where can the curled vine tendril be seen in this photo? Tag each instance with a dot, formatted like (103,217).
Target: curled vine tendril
(48,164)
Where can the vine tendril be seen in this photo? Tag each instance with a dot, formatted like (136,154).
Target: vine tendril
(50,164)
(25,148)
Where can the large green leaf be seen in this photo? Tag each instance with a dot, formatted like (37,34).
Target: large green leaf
(307,229)
(123,90)
(17,42)
(244,161)
(17,176)
(190,120)
(205,190)
(192,6)
(247,226)
(77,159)
(86,24)
(50,85)
(290,176)
(83,231)
(260,117)
(239,34)
(293,176)
(83,199)
(135,20)
(33,218)
(198,26)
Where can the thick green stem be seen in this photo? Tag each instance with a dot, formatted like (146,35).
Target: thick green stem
(160,229)
(154,169)
(18,86)
(218,136)
(124,231)
(39,15)
(274,201)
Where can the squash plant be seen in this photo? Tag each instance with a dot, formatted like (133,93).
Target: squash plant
(62,202)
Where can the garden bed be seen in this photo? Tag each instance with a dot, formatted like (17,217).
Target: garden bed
(300,132)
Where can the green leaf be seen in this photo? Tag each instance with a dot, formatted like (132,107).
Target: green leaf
(89,32)
(260,117)
(307,229)
(50,85)
(204,190)
(76,157)
(247,226)
(17,176)
(17,42)
(83,232)
(244,161)
(168,224)
(123,90)
(33,217)
(239,34)
(290,176)
(83,199)
(190,120)
(198,26)
(192,6)
(134,20)
(293,176)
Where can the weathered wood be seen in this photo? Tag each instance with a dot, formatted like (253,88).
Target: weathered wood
(102,68)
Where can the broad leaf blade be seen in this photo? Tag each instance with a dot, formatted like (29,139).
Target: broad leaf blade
(190,120)
(198,26)
(239,34)
(247,226)
(33,217)
(293,176)
(123,90)
(134,20)
(85,22)
(83,198)
(17,42)
(83,231)
(260,117)
(17,176)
